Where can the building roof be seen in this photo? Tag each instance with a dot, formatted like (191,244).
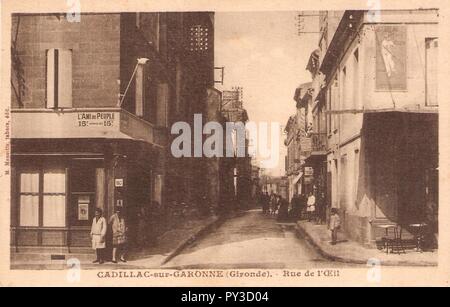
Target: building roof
(344,30)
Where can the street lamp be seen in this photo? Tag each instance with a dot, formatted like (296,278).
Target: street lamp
(140,61)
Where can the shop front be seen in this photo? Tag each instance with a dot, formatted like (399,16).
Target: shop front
(57,182)
(401,153)
(55,193)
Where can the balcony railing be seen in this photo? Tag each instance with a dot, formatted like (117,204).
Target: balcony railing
(319,141)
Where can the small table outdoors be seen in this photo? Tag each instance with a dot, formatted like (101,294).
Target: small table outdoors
(419,234)
(386,239)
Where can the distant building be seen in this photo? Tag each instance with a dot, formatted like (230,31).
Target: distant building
(275,185)
(297,142)
(234,112)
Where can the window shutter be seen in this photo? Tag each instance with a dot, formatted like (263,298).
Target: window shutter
(140,94)
(431,71)
(59,78)
(51,79)
(162,104)
(65,78)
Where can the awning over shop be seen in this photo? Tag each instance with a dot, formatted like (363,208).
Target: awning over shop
(299,176)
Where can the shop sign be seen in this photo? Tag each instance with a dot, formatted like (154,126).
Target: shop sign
(118,183)
(309,171)
(83,207)
(95,119)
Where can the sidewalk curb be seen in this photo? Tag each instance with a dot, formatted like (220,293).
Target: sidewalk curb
(215,223)
(301,232)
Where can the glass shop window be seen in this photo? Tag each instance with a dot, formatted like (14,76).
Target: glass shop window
(54,197)
(29,198)
(42,199)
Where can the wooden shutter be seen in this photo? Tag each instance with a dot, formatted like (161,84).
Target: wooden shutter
(59,78)
(51,78)
(140,90)
(162,104)
(431,71)
(65,78)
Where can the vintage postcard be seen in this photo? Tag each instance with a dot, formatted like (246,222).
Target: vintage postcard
(224,143)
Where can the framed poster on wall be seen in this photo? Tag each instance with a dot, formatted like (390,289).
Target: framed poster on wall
(83,207)
(391,57)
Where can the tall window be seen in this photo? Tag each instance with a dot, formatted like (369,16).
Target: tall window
(335,183)
(43,197)
(355,177)
(329,109)
(343,183)
(355,79)
(335,100)
(431,72)
(29,198)
(138,20)
(343,104)
(54,198)
(59,78)
(199,38)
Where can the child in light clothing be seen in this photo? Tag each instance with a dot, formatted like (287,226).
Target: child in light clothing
(335,224)
(311,206)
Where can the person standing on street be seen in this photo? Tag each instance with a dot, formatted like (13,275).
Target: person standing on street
(283,208)
(311,206)
(335,224)
(296,208)
(265,202)
(98,233)
(320,208)
(119,229)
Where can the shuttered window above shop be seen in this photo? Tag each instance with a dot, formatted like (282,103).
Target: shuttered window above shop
(140,90)
(59,78)
(162,104)
(431,60)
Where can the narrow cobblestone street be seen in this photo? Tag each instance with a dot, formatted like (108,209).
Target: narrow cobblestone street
(251,240)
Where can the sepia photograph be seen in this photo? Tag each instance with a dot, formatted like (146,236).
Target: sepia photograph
(212,143)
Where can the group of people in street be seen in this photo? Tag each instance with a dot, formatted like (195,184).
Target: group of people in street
(274,205)
(118,229)
(302,206)
(311,207)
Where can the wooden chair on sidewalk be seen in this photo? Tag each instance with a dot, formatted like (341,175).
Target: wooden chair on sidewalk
(393,239)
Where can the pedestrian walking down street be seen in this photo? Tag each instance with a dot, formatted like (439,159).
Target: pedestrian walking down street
(276,204)
(272,203)
(283,209)
(98,233)
(321,208)
(335,224)
(265,202)
(119,235)
(311,206)
(295,212)
(302,202)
